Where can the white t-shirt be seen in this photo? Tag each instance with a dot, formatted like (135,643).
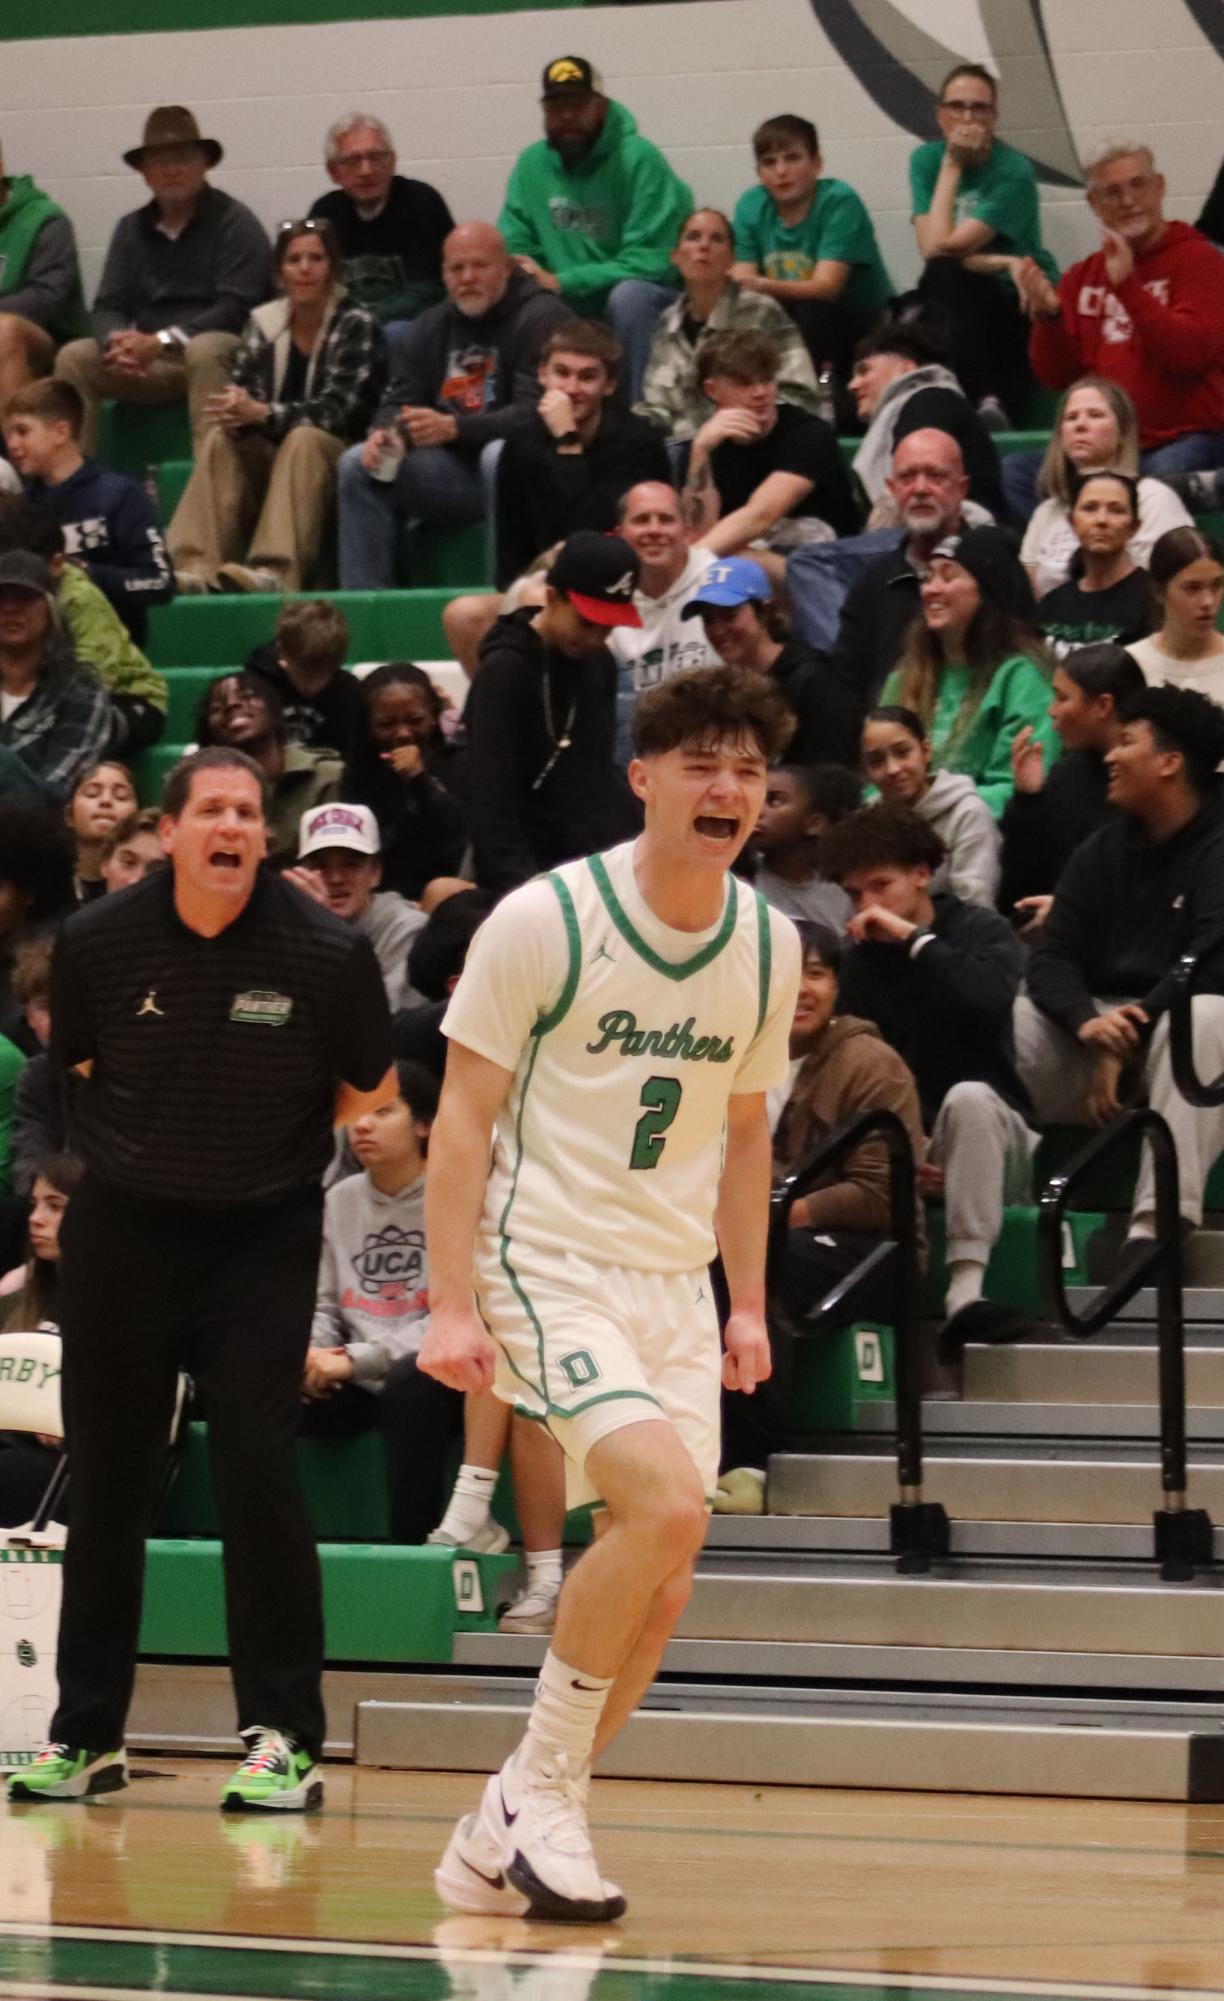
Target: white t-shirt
(1160,669)
(665,644)
(1050,541)
(626,1039)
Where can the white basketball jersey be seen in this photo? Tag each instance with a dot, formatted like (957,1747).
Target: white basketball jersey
(627,1038)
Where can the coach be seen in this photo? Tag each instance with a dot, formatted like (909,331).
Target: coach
(224,1023)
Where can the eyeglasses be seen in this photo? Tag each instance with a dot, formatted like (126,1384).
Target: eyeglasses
(1113,192)
(376,157)
(970,107)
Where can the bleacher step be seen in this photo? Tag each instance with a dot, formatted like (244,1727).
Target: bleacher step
(1049,1486)
(868,1535)
(950,1743)
(1200,1303)
(993,1418)
(1083,1372)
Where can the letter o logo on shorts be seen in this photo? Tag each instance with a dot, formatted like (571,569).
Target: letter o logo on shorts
(579,1369)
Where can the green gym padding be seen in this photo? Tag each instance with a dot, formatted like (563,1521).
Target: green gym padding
(833,1371)
(137,437)
(1011,1275)
(344,1480)
(172,477)
(150,768)
(384,625)
(1112,1185)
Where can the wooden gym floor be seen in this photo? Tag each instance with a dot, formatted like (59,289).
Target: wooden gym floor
(769,1893)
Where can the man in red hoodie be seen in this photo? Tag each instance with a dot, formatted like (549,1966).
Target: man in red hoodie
(1146,310)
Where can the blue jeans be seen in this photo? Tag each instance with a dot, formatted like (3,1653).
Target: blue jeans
(1193,453)
(396,334)
(1018,478)
(432,483)
(632,312)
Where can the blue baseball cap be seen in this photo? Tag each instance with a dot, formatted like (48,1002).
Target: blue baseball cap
(732,582)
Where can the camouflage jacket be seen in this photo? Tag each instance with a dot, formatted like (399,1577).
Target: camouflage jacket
(672,396)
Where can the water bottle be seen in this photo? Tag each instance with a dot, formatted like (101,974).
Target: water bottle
(391,456)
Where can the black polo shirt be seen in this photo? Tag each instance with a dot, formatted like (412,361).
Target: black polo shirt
(215,1060)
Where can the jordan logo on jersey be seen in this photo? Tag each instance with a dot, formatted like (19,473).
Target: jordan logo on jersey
(619,1026)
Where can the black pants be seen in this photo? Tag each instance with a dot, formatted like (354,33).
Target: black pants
(145,1289)
(986,330)
(419,1418)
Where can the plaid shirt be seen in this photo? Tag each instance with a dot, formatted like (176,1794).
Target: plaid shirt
(62,726)
(672,396)
(348,369)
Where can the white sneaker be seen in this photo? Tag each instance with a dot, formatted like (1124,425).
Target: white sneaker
(552,1862)
(473,1874)
(534,1612)
(489,1540)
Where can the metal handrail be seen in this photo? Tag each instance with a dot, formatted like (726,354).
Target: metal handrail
(1181,1038)
(1183,1536)
(918,1528)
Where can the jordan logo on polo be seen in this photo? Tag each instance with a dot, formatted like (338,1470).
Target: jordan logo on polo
(149,1005)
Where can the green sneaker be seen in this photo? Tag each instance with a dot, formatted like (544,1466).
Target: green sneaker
(61,1773)
(276,1776)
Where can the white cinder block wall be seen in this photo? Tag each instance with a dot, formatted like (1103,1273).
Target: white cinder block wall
(460,95)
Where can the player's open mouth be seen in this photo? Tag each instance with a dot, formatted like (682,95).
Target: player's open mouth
(227,861)
(716,829)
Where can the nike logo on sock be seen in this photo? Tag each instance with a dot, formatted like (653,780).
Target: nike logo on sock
(587,1688)
(509,1817)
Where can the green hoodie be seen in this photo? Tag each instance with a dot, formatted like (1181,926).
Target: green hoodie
(617,215)
(22,214)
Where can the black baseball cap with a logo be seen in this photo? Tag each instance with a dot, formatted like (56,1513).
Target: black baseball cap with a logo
(598,574)
(571,76)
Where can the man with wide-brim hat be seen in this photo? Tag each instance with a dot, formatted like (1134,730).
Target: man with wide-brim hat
(182,273)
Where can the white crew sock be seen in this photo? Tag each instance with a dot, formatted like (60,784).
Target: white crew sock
(564,1718)
(468,1508)
(544,1568)
(966,1277)
(1143,1226)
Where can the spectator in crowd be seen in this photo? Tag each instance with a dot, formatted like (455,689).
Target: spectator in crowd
(897,761)
(592,210)
(110,525)
(939,978)
(978,228)
(412,776)
(131,849)
(1187,649)
(974,668)
(435,960)
(759,471)
(1051,812)
(54,714)
(40,1112)
(1143,891)
(840,1068)
(566,470)
(808,242)
(733,603)
(1146,310)
(306,380)
(651,521)
(340,857)
(35,896)
(180,277)
(900,385)
(41,301)
(466,376)
(139,695)
(713,301)
(541,719)
(539,1493)
(802,801)
(240,712)
(304,664)
(1095,430)
(389,230)
(103,795)
(929,487)
(27,1303)
(1107,596)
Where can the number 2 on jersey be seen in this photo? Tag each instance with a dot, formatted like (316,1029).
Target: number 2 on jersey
(661,1099)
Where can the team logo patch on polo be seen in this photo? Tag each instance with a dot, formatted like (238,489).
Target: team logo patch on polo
(262,1008)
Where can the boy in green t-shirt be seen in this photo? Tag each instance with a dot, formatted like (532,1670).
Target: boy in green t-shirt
(809,243)
(976,218)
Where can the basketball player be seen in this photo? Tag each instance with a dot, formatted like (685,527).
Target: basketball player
(613,1037)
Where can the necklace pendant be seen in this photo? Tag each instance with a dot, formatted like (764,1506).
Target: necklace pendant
(564,743)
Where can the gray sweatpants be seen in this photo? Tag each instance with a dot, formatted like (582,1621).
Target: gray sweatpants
(1057,1073)
(985,1150)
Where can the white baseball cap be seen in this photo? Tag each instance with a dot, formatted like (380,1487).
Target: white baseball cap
(338,826)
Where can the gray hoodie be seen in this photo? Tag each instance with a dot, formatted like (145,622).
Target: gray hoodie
(970,833)
(373,1297)
(873,459)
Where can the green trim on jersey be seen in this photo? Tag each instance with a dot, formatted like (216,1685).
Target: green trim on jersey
(764,961)
(540,1389)
(617,913)
(573,938)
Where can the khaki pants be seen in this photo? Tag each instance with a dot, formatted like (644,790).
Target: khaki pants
(199,372)
(254,501)
(1057,1074)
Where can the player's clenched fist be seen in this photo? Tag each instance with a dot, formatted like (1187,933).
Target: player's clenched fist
(746,1357)
(457,1350)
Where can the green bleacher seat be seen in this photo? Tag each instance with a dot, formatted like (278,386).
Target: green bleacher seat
(385,625)
(172,477)
(135,436)
(150,768)
(1112,1187)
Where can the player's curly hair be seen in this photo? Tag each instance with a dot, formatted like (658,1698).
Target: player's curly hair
(879,837)
(709,704)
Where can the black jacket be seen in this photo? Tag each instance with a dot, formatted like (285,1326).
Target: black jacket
(1041,830)
(827,708)
(544,495)
(534,804)
(948,1008)
(1126,910)
(936,409)
(879,606)
(482,372)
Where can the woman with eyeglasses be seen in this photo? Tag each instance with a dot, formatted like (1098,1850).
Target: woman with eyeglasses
(307,379)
